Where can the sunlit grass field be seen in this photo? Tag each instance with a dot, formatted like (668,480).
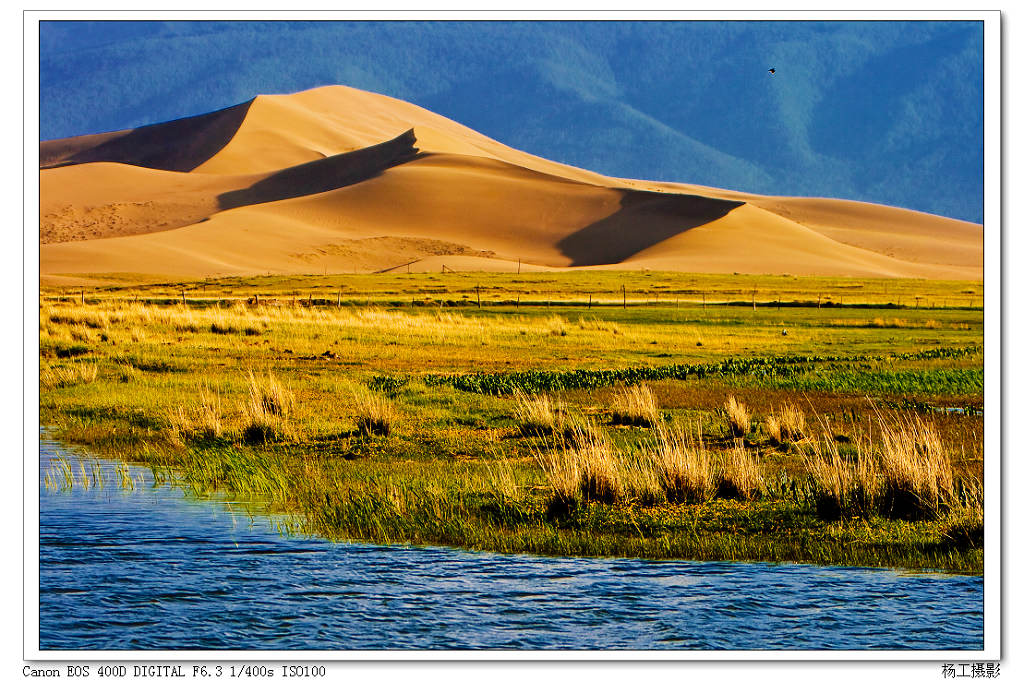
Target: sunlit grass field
(708,417)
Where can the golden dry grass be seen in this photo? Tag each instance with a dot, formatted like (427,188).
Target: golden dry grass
(738,416)
(742,476)
(199,419)
(75,373)
(917,474)
(684,466)
(843,487)
(788,425)
(268,409)
(581,464)
(536,414)
(375,414)
(635,405)
(905,472)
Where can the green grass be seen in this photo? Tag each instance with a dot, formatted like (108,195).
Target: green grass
(399,423)
(578,288)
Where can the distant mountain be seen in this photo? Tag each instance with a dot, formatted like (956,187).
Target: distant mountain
(888,112)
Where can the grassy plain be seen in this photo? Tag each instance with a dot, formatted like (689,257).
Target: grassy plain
(548,417)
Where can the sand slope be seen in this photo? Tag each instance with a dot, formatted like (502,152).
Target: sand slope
(338,180)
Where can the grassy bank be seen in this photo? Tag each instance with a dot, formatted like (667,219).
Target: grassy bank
(570,429)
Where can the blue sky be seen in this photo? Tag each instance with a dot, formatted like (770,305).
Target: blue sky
(889,112)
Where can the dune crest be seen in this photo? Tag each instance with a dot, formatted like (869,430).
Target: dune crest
(336,179)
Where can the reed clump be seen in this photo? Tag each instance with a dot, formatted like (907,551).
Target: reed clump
(267,395)
(905,474)
(741,475)
(789,425)
(600,469)
(737,416)
(375,413)
(199,420)
(75,373)
(843,487)
(917,474)
(536,414)
(268,409)
(580,464)
(685,468)
(635,405)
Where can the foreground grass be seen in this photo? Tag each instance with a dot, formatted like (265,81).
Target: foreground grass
(361,423)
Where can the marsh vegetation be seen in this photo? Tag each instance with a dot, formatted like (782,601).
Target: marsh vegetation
(689,429)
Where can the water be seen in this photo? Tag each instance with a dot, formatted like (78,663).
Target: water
(150,569)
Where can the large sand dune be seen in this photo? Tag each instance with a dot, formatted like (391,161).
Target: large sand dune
(340,180)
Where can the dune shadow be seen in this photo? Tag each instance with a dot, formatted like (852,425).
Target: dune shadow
(180,145)
(325,174)
(643,220)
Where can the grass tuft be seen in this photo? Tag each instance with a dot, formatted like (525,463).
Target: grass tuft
(75,373)
(635,405)
(738,417)
(268,409)
(267,396)
(907,474)
(741,476)
(536,414)
(917,474)
(684,466)
(580,465)
(842,488)
(789,425)
(375,413)
(200,420)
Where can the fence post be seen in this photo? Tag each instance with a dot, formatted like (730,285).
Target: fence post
(623,296)
(478,296)
(590,302)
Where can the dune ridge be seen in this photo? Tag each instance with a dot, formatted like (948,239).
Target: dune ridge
(336,179)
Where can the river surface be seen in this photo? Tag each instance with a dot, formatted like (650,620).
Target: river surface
(149,568)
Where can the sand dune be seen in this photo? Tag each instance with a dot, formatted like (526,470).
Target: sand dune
(338,180)
(102,200)
(178,145)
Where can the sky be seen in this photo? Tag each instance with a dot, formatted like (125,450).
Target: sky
(880,111)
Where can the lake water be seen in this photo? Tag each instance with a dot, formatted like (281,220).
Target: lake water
(151,569)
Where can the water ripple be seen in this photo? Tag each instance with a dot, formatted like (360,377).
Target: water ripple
(150,569)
